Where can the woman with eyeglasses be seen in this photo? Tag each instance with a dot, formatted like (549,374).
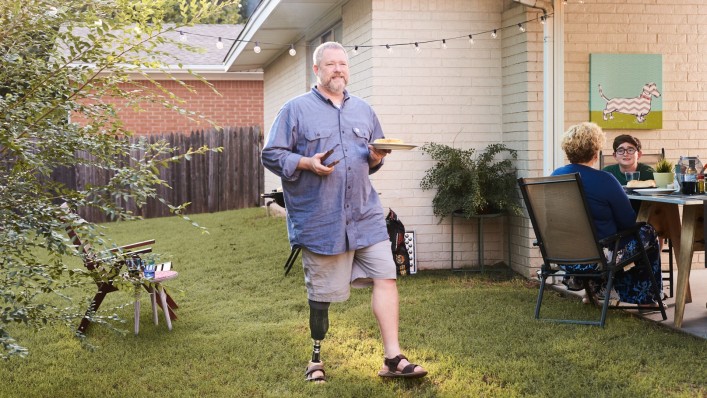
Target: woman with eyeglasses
(627,152)
(611,212)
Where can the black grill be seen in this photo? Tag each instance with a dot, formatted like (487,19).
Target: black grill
(275,195)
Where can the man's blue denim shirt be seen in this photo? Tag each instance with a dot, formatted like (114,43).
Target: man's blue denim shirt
(339,212)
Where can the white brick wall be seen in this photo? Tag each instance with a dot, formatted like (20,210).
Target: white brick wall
(446,96)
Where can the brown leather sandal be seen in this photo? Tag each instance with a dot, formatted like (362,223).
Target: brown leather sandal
(408,372)
(315,367)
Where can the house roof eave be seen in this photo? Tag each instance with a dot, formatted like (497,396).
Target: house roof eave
(275,24)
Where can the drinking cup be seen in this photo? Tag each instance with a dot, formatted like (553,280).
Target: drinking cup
(633,175)
(149,270)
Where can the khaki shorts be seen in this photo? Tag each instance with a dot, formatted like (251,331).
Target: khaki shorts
(329,278)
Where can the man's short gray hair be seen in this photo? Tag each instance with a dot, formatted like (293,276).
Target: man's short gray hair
(319,51)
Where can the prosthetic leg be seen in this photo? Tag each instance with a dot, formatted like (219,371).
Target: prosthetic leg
(318,325)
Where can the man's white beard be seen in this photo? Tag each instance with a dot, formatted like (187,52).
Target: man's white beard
(335,87)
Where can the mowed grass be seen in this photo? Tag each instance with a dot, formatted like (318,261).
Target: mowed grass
(243,332)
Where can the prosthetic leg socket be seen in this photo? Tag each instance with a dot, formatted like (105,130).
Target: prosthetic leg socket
(318,325)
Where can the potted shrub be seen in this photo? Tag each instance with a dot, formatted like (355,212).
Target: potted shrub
(664,173)
(471,185)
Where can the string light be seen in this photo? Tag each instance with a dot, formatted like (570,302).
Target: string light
(389,47)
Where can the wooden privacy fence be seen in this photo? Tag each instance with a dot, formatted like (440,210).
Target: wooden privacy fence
(231,179)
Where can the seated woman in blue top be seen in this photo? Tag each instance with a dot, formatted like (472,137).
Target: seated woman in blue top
(611,211)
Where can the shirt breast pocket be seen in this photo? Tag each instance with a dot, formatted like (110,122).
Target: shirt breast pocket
(362,133)
(317,141)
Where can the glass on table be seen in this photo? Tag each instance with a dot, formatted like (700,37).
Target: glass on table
(632,175)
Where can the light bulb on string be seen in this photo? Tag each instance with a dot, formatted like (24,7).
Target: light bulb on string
(257,48)
(219,44)
(355,50)
(417,48)
(471,39)
(390,50)
(521,28)
(292,51)
(182,37)
(494,34)
(444,44)
(542,20)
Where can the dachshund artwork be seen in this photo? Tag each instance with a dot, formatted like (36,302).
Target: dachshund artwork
(639,106)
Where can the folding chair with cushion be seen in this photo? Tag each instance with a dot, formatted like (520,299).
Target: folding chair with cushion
(566,235)
(106,266)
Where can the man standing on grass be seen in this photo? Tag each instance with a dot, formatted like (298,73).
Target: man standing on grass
(319,145)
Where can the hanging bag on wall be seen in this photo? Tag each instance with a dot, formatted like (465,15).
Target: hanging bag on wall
(396,233)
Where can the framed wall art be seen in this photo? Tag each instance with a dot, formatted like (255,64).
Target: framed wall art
(625,91)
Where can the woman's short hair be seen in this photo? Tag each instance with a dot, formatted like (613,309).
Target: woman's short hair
(627,138)
(582,141)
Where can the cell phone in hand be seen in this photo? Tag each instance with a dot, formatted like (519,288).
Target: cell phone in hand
(332,164)
(328,153)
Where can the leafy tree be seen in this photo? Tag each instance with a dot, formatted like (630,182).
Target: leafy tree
(59,61)
(229,14)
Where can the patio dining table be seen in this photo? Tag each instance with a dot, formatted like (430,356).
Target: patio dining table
(663,212)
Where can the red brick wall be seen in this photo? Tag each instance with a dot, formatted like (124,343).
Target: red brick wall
(240,103)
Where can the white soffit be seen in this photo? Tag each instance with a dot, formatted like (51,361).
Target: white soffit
(275,24)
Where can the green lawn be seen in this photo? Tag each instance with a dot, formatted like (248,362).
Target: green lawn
(243,332)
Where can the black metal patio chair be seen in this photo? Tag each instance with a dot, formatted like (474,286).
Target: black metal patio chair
(566,234)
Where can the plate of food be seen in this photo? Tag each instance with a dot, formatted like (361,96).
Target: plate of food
(392,144)
(654,191)
(635,185)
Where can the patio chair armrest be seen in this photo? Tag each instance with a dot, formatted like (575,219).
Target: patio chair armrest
(622,234)
(132,246)
(120,263)
(126,253)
